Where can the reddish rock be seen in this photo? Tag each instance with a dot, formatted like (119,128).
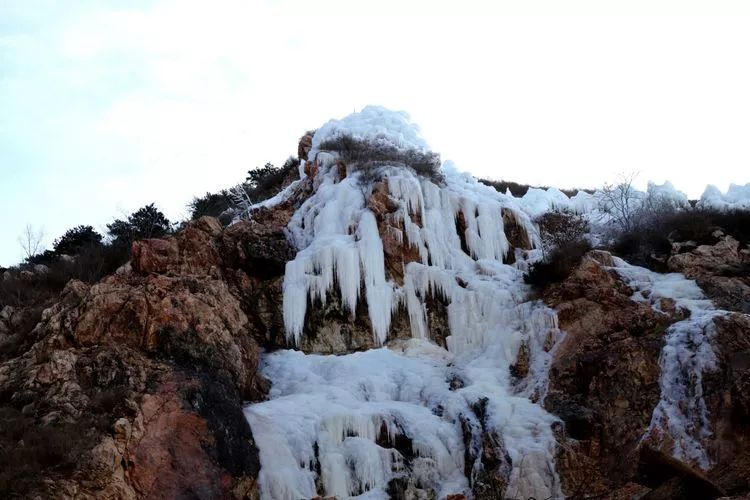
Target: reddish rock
(604,379)
(151,367)
(396,248)
(305,145)
(167,452)
(154,256)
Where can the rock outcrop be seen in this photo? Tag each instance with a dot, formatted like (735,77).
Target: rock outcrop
(728,402)
(604,385)
(147,370)
(722,270)
(604,380)
(134,387)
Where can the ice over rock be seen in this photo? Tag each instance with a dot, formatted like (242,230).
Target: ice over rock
(330,425)
(681,416)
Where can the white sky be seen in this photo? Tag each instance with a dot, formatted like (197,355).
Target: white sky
(106,106)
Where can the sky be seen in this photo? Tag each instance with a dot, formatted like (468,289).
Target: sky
(109,105)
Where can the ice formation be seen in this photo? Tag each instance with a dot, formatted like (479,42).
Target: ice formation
(686,355)
(666,194)
(736,197)
(322,429)
(538,201)
(346,426)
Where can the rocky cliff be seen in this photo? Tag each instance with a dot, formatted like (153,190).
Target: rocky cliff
(368,332)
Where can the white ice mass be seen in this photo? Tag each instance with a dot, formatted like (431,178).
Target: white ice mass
(330,423)
(329,410)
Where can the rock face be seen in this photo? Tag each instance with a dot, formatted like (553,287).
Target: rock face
(331,329)
(604,380)
(728,402)
(722,270)
(147,370)
(133,387)
(604,385)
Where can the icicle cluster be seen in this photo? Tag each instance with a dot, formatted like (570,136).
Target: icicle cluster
(332,421)
(340,246)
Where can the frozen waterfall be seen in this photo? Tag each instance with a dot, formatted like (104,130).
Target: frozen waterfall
(346,426)
(687,353)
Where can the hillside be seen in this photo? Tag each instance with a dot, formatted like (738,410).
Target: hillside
(387,326)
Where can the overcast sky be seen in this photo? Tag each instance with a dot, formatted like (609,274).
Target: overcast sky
(106,106)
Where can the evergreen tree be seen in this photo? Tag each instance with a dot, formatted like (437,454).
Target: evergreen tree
(146,222)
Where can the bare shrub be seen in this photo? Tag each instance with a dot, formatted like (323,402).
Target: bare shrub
(31,241)
(29,451)
(361,154)
(558,264)
(649,243)
(518,190)
(368,174)
(621,201)
(559,227)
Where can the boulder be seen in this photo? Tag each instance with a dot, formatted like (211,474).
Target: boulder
(722,270)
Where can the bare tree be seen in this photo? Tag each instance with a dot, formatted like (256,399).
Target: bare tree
(31,240)
(622,202)
(560,227)
(241,200)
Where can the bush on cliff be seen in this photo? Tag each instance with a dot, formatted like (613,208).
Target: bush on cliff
(146,222)
(368,155)
(559,227)
(211,204)
(261,183)
(650,243)
(264,182)
(557,265)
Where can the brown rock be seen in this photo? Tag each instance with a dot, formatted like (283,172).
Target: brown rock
(305,144)
(520,369)
(727,396)
(154,256)
(259,246)
(604,378)
(487,464)
(721,270)
(396,249)
(672,478)
(151,367)
(517,235)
